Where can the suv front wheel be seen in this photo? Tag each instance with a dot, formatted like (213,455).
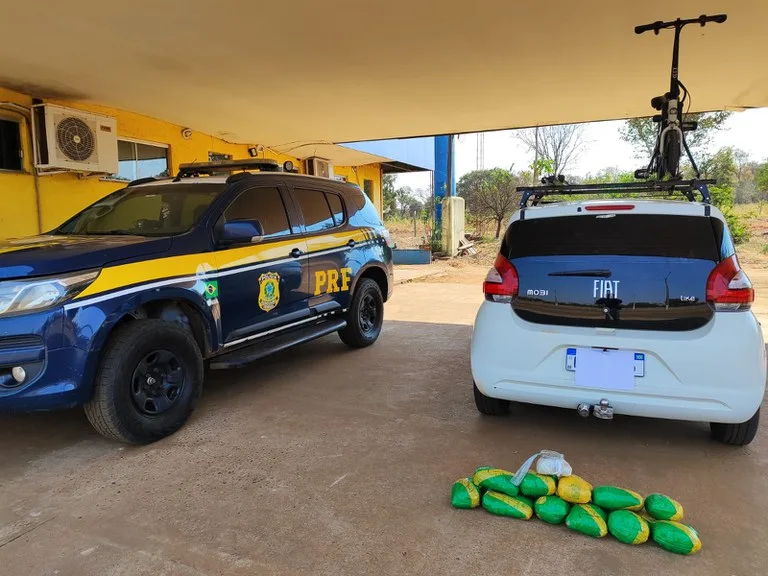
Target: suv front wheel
(736,434)
(148,382)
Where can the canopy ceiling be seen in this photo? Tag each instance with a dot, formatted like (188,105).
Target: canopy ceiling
(345,70)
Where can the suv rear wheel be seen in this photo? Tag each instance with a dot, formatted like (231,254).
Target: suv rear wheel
(365,315)
(148,382)
(736,434)
(490,406)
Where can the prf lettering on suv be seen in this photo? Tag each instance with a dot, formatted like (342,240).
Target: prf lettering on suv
(119,308)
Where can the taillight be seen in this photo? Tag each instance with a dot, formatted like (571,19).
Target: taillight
(728,288)
(387,237)
(501,283)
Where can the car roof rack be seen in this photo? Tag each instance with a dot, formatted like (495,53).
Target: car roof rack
(688,188)
(193,169)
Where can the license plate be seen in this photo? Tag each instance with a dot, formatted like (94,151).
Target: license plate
(639,365)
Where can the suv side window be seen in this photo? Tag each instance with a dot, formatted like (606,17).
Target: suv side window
(337,208)
(262,204)
(314,206)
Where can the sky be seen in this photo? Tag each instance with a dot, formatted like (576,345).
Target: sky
(746,130)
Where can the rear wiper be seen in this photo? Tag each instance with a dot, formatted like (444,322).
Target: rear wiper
(584,273)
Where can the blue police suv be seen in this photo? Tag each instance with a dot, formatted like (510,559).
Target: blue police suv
(120,308)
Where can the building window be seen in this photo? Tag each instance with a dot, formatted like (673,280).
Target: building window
(368,188)
(138,160)
(218,157)
(10,144)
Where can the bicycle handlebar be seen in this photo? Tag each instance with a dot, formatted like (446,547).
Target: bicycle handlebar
(701,20)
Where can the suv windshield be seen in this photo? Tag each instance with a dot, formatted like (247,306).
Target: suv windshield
(158,210)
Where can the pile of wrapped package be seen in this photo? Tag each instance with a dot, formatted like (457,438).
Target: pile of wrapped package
(568,499)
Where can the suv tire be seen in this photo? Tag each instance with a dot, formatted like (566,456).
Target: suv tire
(365,315)
(148,382)
(490,406)
(736,434)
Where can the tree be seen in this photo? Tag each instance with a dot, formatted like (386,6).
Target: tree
(608,175)
(722,167)
(408,205)
(560,145)
(761,179)
(745,191)
(388,192)
(642,132)
(490,194)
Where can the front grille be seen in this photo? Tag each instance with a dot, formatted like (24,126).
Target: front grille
(13,342)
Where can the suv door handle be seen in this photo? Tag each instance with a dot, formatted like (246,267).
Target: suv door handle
(295,253)
(351,243)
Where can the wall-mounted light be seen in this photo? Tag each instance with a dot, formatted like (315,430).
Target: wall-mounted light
(254,151)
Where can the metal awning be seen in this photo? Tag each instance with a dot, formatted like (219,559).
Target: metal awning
(341,71)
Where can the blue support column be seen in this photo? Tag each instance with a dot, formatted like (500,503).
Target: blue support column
(443,156)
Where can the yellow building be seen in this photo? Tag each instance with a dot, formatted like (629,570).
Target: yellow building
(32,201)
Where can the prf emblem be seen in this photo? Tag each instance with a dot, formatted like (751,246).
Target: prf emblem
(269,291)
(328,280)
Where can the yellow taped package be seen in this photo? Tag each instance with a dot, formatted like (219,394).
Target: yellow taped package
(574,489)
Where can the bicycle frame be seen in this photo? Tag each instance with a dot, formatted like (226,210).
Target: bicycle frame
(669,104)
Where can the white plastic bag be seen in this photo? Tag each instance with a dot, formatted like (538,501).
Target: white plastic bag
(549,462)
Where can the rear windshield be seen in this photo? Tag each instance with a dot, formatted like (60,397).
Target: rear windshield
(666,236)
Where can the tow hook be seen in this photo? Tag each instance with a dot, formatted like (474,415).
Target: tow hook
(604,411)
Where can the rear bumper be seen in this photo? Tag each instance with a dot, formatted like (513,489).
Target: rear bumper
(713,374)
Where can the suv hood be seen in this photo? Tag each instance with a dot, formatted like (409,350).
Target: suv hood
(48,255)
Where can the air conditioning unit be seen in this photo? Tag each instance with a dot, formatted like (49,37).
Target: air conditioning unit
(319,167)
(67,139)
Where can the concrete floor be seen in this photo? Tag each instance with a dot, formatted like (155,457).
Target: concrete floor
(326,461)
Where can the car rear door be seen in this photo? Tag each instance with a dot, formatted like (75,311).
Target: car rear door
(617,270)
(329,243)
(261,286)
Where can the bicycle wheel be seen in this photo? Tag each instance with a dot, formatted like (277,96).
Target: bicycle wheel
(671,161)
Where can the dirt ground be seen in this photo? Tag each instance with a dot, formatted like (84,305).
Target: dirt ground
(326,461)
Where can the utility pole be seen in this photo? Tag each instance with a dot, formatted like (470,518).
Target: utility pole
(480,163)
(536,157)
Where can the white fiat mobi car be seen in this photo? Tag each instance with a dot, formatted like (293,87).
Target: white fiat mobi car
(634,307)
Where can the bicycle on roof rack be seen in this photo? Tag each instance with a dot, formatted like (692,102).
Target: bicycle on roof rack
(662,174)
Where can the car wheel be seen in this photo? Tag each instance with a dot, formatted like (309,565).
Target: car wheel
(490,406)
(148,382)
(365,315)
(736,434)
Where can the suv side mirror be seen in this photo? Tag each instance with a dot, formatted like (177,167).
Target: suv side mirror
(241,232)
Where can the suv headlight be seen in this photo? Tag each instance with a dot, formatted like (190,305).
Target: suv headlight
(35,294)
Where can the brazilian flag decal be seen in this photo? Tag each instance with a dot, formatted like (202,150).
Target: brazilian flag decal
(211,289)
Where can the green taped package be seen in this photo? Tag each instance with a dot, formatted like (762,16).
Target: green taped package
(675,537)
(464,494)
(551,509)
(495,479)
(505,505)
(587,519)
(535,485)
(615,498)
(628,527)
